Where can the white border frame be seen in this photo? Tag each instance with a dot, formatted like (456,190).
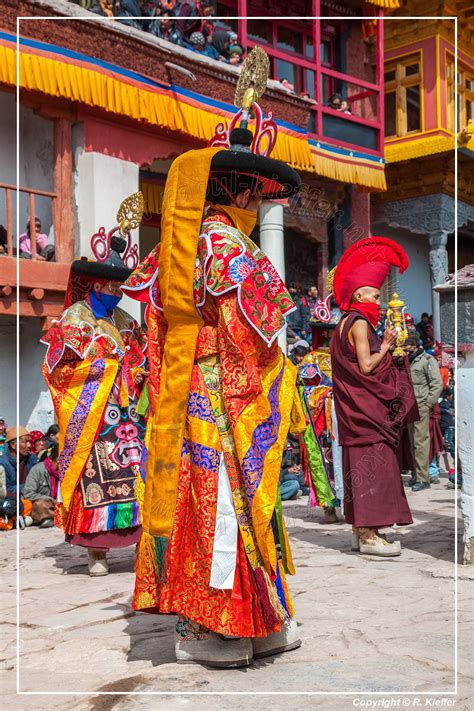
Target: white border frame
(388,694)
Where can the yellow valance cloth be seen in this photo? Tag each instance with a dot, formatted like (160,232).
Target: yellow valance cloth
(152,196)
(350,173)
(388,4)
(417,148)
(158,106)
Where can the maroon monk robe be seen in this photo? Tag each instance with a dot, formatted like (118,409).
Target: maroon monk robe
(372,411)
(436,436)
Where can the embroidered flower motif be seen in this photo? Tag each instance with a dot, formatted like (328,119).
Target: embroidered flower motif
(241,267)
(272,277)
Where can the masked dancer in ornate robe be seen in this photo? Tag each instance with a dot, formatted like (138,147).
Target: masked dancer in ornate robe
(214,548)
(373,396)
(94,368)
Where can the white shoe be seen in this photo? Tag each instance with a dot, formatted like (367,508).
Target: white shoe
(277,642)
(97,563)
(379,546)
(214,651)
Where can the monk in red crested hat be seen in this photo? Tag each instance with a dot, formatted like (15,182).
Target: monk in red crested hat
(373,396)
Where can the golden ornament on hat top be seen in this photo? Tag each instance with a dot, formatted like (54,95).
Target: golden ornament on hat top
(253,79)
(250,87)
(129,217)
(330,280)
(130,212)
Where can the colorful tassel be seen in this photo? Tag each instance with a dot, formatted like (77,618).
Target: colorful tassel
(274,614)
(124,515)
(284,584)
(269,615)
(160,546)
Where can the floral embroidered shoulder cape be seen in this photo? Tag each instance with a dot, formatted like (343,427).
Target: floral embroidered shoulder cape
(227,260)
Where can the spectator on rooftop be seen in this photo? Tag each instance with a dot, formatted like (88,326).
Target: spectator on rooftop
(335,101)
(345,107)
(156,8)
(187,19)
(106,8)
(287,84)
(236,54)
(165,28)
(197,43)
(221,41)
(206,9)
(306,95)
(127,10)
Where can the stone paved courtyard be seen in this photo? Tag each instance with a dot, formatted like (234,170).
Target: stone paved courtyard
(367,625)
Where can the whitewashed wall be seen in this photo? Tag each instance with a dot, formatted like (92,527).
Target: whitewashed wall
(8,369)
(100,184)
(415,285)
(465,424)
(36,406)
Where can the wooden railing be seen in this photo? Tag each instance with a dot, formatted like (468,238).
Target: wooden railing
(9,191)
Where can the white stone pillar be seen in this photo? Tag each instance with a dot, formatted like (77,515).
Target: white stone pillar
(272,243)
(439,271)
(465,444)
(100,184)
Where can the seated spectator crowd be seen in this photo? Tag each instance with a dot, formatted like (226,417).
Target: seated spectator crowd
(181,22)
(28,472)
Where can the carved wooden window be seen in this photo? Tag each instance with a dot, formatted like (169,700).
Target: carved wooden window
(450,93)
(465,97)
(403,96)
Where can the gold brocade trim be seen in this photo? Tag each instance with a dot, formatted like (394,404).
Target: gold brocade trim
(139,491)
(211,373)
(423,146)
(203,433)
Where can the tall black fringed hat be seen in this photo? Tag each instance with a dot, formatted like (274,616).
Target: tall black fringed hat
(247,153)
(115,255)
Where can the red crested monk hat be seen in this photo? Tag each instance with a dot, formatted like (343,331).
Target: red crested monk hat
(365,263)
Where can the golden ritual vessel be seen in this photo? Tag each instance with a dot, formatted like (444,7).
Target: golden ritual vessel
(396,319)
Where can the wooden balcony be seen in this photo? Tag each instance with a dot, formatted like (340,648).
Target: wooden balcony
(42,284)
(42,288)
